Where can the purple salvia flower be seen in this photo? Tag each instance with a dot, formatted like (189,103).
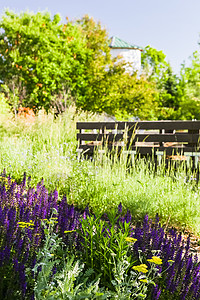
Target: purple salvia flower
(128,217)
(16,264)
(55,196)
(24,180)
(6,254)
(120,208)
(22,277)
(1,258)
(156,292)
(71,212)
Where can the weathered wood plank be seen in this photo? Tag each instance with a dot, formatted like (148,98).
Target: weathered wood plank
(167,137)
(167,125)
(157,138)
(145,150)
(100,137)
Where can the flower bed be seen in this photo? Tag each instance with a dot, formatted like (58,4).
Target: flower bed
(100,242)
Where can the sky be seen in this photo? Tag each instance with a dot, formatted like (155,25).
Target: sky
(172,26)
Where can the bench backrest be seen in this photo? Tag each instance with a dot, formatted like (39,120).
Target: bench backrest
(170,136)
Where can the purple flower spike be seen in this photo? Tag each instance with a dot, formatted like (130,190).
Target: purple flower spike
(120,208)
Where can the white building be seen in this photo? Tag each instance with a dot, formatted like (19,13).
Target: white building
(129,53)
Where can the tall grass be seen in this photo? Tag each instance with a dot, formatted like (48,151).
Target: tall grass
(175,197)
(46,148)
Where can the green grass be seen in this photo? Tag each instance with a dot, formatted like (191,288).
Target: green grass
(47,149)
(175,198)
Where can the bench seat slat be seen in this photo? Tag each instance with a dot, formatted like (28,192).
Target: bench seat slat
(168,137)
(145,150)
(167,125)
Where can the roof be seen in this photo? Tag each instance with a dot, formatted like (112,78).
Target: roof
(117,43)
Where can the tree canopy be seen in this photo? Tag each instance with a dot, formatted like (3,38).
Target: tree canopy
(50,64)
(41,58)
(45,63)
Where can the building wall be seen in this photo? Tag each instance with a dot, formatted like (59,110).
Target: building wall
(131,56)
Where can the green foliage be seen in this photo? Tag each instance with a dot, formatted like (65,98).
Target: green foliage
(159,71)
(106,253)
(108,87)
(69,282)
(178,96)
(136,97)
(41,58)
(154,63)
(189,87)
(133,284)
(45,63)
(44,259)
(101,245)
(4,107)
(74,282)
(97,66)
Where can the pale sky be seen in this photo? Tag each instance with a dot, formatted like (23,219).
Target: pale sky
(172,26)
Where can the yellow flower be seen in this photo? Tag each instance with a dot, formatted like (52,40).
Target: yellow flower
(140,268)
(130,239)
(144,280)
(156,260)
(170,261)
(26,224)
(143,266)
(50,222)
(22,226)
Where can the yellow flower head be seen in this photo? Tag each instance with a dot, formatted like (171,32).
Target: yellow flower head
(144,280)
(140,268)
(156,260)
(26,224)
(130,239)
(69,231)
(170,261)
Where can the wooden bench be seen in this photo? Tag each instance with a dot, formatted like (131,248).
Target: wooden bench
(160,138)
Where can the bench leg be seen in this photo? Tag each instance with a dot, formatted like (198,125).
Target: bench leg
(132,153)
(101,153)
(189,155)
(159,155)
(196,159)
(79,151)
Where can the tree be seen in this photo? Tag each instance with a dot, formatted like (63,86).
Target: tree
(189,87)
(158,70)
(41,57)
(129,95)
(154,63)
(45,63)
(99,65)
